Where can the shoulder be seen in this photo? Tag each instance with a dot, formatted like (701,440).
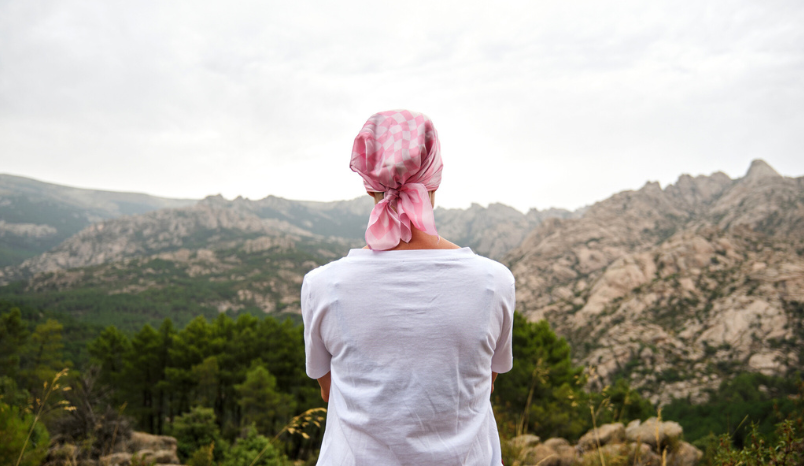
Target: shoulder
(500,272)
(314,275)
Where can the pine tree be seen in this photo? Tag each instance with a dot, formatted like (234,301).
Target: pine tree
(13,335)
(542,393)
(262,404)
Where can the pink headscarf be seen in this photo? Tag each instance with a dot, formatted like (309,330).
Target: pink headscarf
(397,153)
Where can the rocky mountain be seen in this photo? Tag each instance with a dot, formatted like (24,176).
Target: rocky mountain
(177,263)
(676,288)
(494,230)
(491,231)
(73,225)
(37,216)
(219,255)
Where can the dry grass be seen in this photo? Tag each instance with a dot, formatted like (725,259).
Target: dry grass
(298,424)
(39,406)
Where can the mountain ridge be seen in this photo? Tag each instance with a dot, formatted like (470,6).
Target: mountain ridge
(695,249)
(675,288)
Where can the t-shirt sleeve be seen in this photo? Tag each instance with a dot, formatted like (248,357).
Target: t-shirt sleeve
(503,359)
(317,355)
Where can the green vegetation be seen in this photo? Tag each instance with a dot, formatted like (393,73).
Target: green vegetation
(544,393)
(146,290)
(233,384)
(234,390)
(748,402)
(785,448)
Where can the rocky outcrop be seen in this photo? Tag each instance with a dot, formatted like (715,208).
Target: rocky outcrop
(159,449)
(615,443)
(26,230)
(140,448)
(675,288)
(653,432)
(197,226)
(494,230)
(604,435)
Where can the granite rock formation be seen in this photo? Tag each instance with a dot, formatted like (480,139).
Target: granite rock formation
(641,443)
(675,288)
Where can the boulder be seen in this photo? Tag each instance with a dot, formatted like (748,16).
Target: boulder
(567,455)
(612,454)
(524,441)
(643,455)
(541,455)
(684,455)
(553,452)
(116,459)
(555,442)
(607,434)
(630,454)
(141,441)
(647,432)
(159,456)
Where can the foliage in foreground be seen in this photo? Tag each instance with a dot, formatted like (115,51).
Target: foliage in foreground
(15,424)
(764,400)
(228,389)
(786,450)
(544,392)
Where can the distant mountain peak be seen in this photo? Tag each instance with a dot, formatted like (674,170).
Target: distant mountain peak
(760,170)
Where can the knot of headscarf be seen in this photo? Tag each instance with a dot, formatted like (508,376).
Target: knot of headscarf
(397,153)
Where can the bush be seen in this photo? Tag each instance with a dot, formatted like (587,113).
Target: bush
(197,429)
(247,449)
(735,400)
(619,403)
(788,450)
(204,456)
(15,424)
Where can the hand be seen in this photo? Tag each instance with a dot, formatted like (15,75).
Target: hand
(493,378)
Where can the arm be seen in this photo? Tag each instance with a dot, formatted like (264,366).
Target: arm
(493,378)
(327,380)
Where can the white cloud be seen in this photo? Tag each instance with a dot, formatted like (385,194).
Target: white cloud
(537,103)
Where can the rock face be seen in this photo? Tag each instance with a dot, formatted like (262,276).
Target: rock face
(492,231)
(618,445)
(165,230)
(675,288)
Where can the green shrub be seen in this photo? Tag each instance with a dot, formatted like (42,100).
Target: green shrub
(197,429)
(204,456)
(786,450)
(247,449)
(14,427)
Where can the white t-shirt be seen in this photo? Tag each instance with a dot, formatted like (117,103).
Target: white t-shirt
(411,338)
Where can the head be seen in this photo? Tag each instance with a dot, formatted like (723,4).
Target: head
(398,155)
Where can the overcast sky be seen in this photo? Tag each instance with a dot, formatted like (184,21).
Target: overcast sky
(537,103)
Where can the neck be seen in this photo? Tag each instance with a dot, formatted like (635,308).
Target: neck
(421,240)
(418,240)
